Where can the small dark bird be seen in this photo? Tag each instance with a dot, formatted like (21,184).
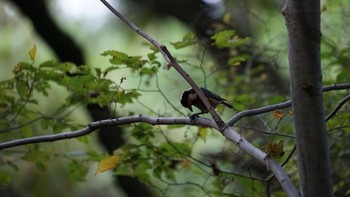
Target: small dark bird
(189,98)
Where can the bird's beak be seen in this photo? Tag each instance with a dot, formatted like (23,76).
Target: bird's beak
(190,107)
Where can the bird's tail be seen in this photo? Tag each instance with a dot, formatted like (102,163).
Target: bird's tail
(226,104)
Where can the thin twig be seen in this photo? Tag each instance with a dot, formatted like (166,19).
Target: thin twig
(165,97)
(261,110)
(337,108)
(252,112)
(135,28)
(266,132)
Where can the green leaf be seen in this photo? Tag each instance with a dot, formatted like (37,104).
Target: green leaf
(124,97)
(26,66)
(50,75)
(250,187)
(148,71)
(68,67)
(176,126)
(188,40)
(12,165)
(120,58)
(94,156)
(117,56)
(7,84)
(110,69)
(59,126)
(152,56)
(277,99)
(143,133)
(170,174)
(343,76)
(5,179)
(43,87)
(157,172)
(124,170)
(84,139)
(142,171)
(98,72)
(36,156)
(245,99)
(48,64)
(40,166)
(228,38)
(236,61)
(26,131)
(78,171)
(40,158)
(176,147)
(22,89)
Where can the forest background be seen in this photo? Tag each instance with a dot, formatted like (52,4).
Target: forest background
(251,73)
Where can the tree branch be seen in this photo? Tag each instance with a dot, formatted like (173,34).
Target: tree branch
(108,123)
(171,60)
(157,121)
(223,127)
(261,110)
(336,109)
(227,131)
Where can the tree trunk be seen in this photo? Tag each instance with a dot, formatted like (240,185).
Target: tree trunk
(303,24)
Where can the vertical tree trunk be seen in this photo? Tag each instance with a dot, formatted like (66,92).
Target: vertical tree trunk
(303,24)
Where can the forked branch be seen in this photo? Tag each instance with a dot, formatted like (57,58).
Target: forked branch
(226,130)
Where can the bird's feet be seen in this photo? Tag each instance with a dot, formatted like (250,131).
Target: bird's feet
(194,116)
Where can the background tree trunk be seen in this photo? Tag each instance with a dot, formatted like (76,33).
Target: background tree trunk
(303,24)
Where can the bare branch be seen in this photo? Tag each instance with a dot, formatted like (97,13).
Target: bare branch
(108,123)
(266,132)
(336,87)
(336,109)
(252,112)
(155,121)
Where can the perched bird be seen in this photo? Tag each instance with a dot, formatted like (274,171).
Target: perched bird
(189,98)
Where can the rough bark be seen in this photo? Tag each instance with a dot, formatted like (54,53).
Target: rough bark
(303,24)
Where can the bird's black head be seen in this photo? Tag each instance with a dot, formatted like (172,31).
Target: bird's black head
(184,100)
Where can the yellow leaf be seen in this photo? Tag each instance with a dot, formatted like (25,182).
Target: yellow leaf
(202,133)
(186,163)
(275,150)
(108,163)
(278,114)
(227,18)
(32,52)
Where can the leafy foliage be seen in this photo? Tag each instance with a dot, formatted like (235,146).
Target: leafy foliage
(189,39)
(151,154)
(228,38)
(21,115)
